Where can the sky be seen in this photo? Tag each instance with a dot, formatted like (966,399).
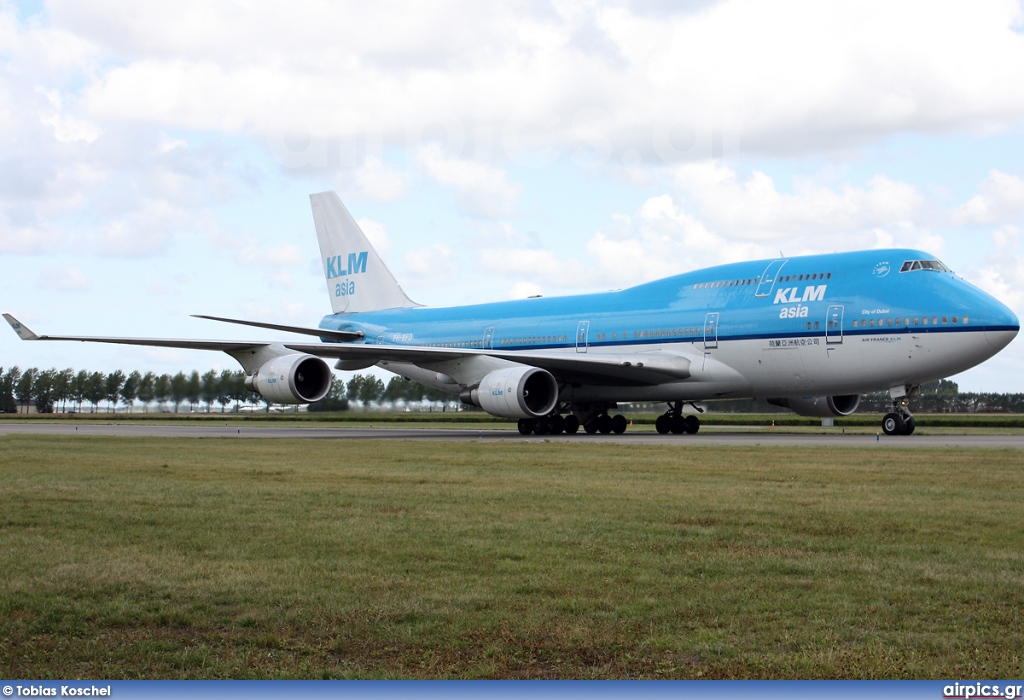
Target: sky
(156,158)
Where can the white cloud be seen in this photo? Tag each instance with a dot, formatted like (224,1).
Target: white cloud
(284,255)
(531,265)
(792,76)
(377,182)
(65,279)
(752,207)
(483,190)
(1000,200)
(27,239)
(1002,273)
(435,264)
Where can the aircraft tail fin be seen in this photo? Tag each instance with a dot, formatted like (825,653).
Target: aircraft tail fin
(357,279)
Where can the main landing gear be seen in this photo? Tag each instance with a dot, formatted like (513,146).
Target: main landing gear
(594,420)
(899,421)
(673,421)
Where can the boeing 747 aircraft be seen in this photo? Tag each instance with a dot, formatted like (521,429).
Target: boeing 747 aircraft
(809,333)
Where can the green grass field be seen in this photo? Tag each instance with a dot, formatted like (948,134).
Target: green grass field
(155,558)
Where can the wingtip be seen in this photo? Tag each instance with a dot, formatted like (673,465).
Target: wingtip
(23,331)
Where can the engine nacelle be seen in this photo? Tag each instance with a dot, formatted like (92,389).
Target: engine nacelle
(516,392)
(820,406)
(294,378)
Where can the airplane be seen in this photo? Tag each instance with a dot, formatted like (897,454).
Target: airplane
(809,333)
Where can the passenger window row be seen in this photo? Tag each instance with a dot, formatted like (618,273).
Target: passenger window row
(814,276)
(905,322)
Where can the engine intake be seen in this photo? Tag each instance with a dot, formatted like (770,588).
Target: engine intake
(291,379)
(516,392)
(819,406)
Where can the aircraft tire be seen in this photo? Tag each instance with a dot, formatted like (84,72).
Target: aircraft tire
(542,426)
(619,424)
(604,423)
(908,426)
(525,426)
(892,424)
(691,424)
(572,424)
(590,428)
(557,424)
(663,424)
(677,425)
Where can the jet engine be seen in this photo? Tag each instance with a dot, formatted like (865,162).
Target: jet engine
(820,406)
(515,392)
(293,378)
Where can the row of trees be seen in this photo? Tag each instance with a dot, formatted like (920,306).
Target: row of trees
(63,390)
(370,390)
(51,389)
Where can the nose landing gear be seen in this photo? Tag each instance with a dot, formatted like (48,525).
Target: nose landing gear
(900,421)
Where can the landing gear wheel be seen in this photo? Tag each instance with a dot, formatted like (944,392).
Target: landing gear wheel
(676,424)
(908,426)
(604,423)
(591,427)
(691,425)
(557,424)
(893,424)
(663,424)
(525,426)
(619,424)
(572,424)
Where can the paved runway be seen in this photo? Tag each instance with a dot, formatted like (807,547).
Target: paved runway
(707,436)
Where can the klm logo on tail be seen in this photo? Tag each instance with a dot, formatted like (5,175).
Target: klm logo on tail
(335,268)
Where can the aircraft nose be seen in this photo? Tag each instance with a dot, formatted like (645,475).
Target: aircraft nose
(1004,327)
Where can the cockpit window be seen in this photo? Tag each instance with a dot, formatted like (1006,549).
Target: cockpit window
(935,265)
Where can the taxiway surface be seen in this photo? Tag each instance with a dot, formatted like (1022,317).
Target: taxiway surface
(731,436)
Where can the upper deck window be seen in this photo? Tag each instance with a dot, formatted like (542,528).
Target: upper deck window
(934,265)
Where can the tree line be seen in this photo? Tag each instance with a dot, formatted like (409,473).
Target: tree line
(66,390)
(52,390)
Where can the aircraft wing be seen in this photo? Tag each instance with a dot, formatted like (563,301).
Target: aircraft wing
(224,345)
(631,369)
(616,369)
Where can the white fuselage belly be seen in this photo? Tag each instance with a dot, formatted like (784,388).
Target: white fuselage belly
(763,367)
